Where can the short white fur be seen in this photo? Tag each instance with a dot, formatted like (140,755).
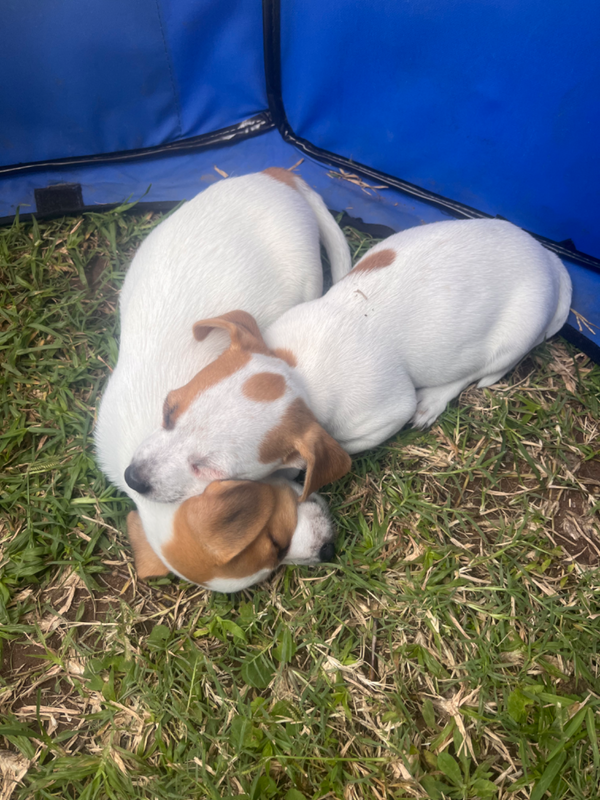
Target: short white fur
(249,243)
(461,302)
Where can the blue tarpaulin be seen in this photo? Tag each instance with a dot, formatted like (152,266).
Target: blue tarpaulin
(458,107)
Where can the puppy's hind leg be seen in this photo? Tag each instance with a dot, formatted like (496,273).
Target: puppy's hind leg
(383,416)
(494,373)
(432,400)
(492,378)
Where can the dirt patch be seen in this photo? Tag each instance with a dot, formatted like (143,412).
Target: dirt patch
(524,370)
(94,270)
(573,686)
(119,582)
(20,656)
(589,474)
(574,528)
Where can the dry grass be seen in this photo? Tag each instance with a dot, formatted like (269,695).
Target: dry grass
(450,652)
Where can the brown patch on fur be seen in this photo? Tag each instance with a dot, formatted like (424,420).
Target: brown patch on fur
(378,260)
(232,530)
(246,339)
(264,387)
(286,355)
(282,175)
(299,435)
(179,400)
(147,563)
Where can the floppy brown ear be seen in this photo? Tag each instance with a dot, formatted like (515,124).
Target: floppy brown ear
(241,326)
(300,435)
(231,529)
(147,563)
(326,460)
(228,516)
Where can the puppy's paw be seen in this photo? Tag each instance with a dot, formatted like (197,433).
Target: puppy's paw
(430,404)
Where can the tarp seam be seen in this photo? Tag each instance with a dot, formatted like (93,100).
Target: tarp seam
(272,60)
(171,72)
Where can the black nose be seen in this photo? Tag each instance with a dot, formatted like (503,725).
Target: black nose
(327,552)
(133,480)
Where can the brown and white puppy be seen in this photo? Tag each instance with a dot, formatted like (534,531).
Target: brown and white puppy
(422,315)
(232,535)
(253,371)
(253,243)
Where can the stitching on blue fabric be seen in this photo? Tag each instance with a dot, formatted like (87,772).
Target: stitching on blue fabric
(171,72)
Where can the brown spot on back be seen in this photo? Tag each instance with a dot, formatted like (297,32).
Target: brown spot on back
(147,563)
(286,355)
(232,530)
(378,260)
(282,175)
(179,400)
(264,387)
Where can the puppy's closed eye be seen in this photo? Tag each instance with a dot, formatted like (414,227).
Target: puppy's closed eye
(281,550)
(169,411)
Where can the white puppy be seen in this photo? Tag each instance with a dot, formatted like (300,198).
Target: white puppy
(424,314)
(251,243)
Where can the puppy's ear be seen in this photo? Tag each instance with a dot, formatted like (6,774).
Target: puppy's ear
(233,530)
(300,437)
(147,563)
(241,326)
(228,516)
(326,460)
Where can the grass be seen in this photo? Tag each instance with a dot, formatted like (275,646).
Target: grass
(451,651)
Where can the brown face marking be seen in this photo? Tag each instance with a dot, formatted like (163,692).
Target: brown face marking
(245,340)
(296,420)
(179,400)
(232,530)
(264,387)
(382,258)
(282,175)
(170,411)
(147,563)
(299,435)
(286,355)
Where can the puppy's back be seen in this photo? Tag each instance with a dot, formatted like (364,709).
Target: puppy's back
(451,296)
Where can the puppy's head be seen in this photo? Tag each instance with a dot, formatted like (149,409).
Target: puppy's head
(243,416)
(236,533)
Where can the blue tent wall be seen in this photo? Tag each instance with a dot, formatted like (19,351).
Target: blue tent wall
(108,75)
(487,104)
(494,103)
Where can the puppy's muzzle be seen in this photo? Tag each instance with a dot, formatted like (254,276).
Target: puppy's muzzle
(135,481)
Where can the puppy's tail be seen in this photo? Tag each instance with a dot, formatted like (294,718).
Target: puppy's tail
(330,232)
(565,292)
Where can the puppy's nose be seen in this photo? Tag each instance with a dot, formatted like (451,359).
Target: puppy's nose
(133,480)
(327,552)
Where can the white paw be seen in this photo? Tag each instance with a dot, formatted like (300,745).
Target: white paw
(429,406)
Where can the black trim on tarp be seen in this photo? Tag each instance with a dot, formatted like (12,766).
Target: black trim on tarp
(272,58)
(254,126)
(158,206)
(581,342)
